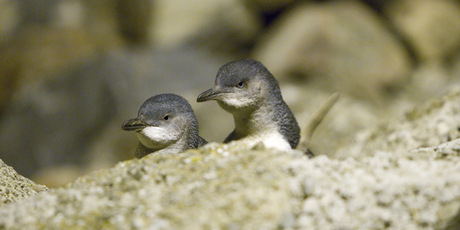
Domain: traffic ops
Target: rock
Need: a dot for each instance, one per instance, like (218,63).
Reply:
(431,27)
(230,186)
(97,17)
(42,47)
(39,52)
(14,187)
(146,183)
(222,25)
(134,20)
(52,37)
(347,116)
(342,44)
(428,80)
(9,18)
(39,39)
(57,175)
(430,125)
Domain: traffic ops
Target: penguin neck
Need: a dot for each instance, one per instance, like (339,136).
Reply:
(255,120)
(183,143)
(177,147)
(174,148)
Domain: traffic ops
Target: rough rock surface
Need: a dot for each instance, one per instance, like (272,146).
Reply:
(14,187)
(436,123)
(394,185)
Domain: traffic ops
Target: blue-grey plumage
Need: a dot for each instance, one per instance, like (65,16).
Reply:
(246,89)
(165,124)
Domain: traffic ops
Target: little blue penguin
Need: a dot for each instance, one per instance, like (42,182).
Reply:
(246,89)
(165,124)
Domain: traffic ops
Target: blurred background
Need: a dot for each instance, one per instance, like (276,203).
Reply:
(72,71)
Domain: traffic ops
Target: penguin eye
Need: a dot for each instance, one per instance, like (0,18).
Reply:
(166,117)
(241,84)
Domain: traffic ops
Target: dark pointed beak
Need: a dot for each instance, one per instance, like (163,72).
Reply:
(208,95)
(134,124)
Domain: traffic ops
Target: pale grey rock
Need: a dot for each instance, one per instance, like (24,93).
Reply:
(342,44)
(14,187)
(430,125)
(451,148)
(401,186)
(428,80)
(225,186)
(149,193)
(383,191)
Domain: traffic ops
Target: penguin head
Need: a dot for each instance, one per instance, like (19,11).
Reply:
(240,85)
(162,120)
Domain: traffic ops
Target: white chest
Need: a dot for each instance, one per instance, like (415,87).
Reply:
(271,140)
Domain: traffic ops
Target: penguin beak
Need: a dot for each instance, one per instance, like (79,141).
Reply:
(208,95)
(135,124)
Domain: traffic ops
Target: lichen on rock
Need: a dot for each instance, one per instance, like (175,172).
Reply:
(14,187)
(214,187)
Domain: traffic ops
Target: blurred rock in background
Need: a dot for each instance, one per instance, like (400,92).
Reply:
(134,20)
(72,71)
(341,43)
(431,28)
(225,27)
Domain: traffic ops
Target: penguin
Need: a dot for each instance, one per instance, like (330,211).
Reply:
(246,89)
(165,124)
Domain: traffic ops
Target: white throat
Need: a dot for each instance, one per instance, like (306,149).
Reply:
(163,139)
(154,137)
